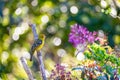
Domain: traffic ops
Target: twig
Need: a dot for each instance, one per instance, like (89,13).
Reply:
(39,55)
(34,31)
(26,68)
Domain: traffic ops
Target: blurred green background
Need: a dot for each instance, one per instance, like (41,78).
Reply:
(53,18)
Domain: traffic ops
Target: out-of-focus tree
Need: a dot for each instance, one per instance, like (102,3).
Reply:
(53,18)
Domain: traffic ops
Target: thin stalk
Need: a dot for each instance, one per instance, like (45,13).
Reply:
(40,60)
(33,27)
(26,68)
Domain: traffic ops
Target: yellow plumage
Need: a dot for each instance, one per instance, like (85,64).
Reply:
(37,45)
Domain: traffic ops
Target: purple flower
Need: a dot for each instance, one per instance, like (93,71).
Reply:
(60,73)
(80,35)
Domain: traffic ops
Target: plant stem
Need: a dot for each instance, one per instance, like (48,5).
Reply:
(33,27)
(26,68)
(39,55)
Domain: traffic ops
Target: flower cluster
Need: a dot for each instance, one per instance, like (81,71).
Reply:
(81,35)
(60,73)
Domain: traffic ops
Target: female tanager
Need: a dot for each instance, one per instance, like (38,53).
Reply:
(37,45)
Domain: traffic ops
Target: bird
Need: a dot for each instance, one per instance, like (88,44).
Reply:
(37,45)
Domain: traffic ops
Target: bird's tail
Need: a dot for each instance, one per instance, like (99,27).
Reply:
(31,55)
(31,58)
(32,52)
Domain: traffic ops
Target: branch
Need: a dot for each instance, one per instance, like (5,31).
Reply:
(39,55)
(26,68)
(34,31)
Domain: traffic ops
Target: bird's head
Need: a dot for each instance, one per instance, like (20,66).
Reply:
(42,36)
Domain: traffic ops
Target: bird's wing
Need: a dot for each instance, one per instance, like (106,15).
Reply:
(36,44)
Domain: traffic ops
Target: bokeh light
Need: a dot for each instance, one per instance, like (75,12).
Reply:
(62,23)
(51,29)
(15,36)
(73,9)
(34,3)
(103,3)
(45,19)
(57,41)
(61,52)
(18,11)
(63,8)
(20,29)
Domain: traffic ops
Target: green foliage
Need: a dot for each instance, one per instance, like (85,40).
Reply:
(108,61)
(96,52)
